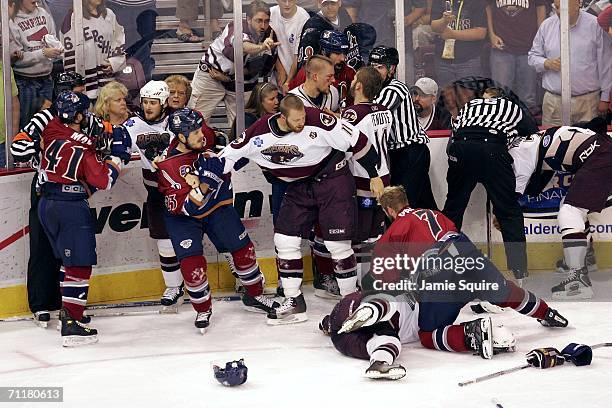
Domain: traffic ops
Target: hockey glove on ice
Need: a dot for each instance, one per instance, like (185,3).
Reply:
(579,354)
(545,357)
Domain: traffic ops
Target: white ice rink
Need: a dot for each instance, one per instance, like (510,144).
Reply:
(162,361)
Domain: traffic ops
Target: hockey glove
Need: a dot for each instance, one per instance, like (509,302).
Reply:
(221,140)
(152,145)
(234,373)
(579,354)
(122,144)
(210,170)
(545,357)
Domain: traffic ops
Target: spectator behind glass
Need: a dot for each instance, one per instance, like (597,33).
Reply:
(330,13)
(180,91)
(111,105)
(462,31)
(187,12)
(424,96)
(12,131)
(381,15)
(512,26)
(590,66)
(102,58)
(263,101)
(32,57)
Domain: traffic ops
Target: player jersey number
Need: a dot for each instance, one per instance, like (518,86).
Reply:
(171,203)
(432,221)
(381,147)
(53,156)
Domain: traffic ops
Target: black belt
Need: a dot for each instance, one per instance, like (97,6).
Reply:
(479,134)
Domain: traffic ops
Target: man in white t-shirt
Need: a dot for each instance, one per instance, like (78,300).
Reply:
(287,20)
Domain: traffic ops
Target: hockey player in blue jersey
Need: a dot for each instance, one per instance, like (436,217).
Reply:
(198,200)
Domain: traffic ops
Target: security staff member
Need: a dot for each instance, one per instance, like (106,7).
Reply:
(478,153)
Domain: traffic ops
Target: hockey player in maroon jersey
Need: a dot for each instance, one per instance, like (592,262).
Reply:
(198,199)
(429,238)
(588,156)
(305,147)
(334,45)
(71,173)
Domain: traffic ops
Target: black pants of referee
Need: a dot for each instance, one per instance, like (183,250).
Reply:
(410,169)
(43,268)
(488,163)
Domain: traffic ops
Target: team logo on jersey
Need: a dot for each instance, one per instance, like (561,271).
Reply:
(350,115)
(282,154)
(546,140)
(184,170)
(67,253)
(258,141)
(336,231)
(291,38)
(129,123)
(186,243)
(313,135)
(240,138)
(326,119)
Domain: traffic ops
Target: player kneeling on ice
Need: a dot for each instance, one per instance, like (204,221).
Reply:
(199,200)
(71,172)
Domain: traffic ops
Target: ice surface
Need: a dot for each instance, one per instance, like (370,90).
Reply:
(161,360)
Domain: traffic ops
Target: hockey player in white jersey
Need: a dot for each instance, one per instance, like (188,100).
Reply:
(317,91)
(588,156)
(305,147)
(150,136)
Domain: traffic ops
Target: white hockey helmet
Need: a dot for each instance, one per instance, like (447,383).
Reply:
(155,90)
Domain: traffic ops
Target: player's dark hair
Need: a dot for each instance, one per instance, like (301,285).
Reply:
(371,82)
(394,197)
(289,103)
(494,92)
(101,9)
(316,63)
(257,6)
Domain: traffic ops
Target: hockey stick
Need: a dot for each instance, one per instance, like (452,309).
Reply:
(514,369)
(489,243)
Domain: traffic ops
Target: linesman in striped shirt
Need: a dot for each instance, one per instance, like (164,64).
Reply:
(408,152)
(479,154)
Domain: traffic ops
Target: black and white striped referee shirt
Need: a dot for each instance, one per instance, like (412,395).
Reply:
(498,115)
(406,129)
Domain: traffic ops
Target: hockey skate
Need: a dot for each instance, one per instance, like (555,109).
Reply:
(553,319)
(41,318)
(576,286)
(202,320)
(503,340)
(171,298)
(591,262)
(292,310)
(479,337)
(326,287)
(75,333)
(84,320)
(258,304)
(357,319)
(382,370)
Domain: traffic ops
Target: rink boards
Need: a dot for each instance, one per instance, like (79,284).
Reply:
(128,266)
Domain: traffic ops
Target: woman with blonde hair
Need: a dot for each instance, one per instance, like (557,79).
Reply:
(111,105)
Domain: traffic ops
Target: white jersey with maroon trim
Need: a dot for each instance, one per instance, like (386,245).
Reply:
(330,100)
(292,156)
(408,329)
(375,121)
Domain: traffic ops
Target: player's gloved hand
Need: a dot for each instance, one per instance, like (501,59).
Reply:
(104,143)
(122,144)
(325,326)
(545,357)
(221,140)
(210,170)
(579,354)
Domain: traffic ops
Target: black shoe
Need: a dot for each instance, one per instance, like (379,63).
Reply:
(520,274)
(75,333)
(202,320)
(41,318)
(576,286)
(172,295)
(259,304)
(553,319)
(479,337)
(292,310)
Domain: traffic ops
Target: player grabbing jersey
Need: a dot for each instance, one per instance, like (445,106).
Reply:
(71,173)
(198,201)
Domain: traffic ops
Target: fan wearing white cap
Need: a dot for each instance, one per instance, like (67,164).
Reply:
(424,96)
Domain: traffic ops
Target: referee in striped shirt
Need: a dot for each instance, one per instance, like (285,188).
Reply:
(408,152)
(479,154)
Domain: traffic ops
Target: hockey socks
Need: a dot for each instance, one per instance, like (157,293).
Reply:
(193,269)
(74,290)
(525,302)
(448,338)
(170,266)
(384,348)
(243,264)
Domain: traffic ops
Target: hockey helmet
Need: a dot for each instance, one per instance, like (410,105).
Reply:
(234,373)
(155,90)
(67,81)
(333,41)
(69,103)
(185,121)
(384,55)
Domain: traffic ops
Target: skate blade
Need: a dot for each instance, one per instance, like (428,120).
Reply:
(392,374)
(291,319)
(253,309)
(202,330)
(323,294)
(172,309)
(76,341)
(358,320)
(42,325)
(584,293)
(487,347)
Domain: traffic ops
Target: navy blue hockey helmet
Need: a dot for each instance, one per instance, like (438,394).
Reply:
(234,373)
(69,103)
(384,55)
(67,81)
(185,121)
(334,41)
